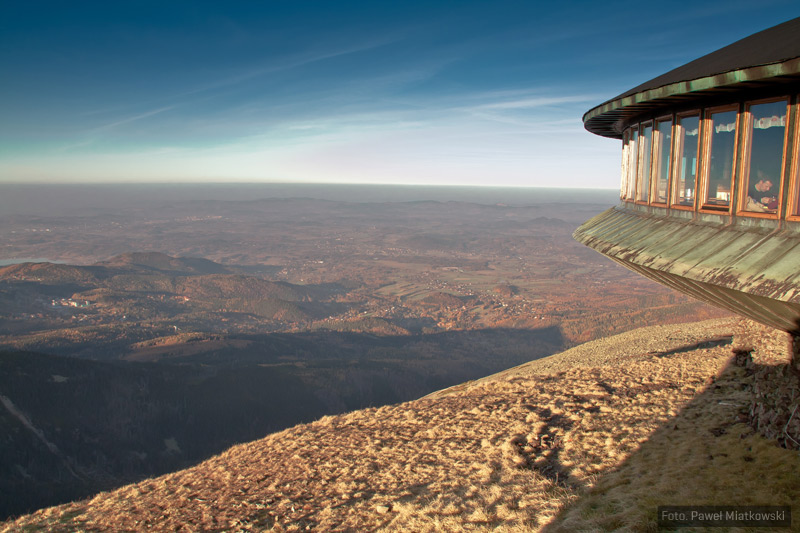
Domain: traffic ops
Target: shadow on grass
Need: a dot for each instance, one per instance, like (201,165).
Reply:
(112,420)
(706,455)
(724,340)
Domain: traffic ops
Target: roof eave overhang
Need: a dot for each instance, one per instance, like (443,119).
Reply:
(609,119)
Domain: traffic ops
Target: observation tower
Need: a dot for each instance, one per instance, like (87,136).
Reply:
(710,192)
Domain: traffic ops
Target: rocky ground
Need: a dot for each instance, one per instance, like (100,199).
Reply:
(594,438)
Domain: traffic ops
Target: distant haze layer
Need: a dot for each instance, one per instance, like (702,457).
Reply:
(64,199)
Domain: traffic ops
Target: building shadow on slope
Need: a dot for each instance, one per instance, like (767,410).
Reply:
(723,340)
(708,454)
(117,422)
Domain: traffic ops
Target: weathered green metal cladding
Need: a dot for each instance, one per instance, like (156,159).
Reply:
(609,119)
(749,269)
(782,315)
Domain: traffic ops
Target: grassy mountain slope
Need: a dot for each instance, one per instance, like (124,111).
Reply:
(591,439)
(111,420)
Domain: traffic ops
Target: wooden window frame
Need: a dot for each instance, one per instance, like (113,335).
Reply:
(746,145)
(673,196)
(794,179)
(640,164)
(705,162)
(633,165)
(671,119)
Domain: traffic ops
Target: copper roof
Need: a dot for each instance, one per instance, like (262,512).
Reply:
(768,57)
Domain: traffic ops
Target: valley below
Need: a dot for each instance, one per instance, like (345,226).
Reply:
(156,336)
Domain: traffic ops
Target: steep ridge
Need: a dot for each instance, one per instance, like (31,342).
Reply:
(594,438)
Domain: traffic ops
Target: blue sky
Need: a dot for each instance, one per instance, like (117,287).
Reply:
(435,92)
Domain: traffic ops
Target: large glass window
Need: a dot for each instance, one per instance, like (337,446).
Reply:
(633,153)
(645,146)
(623,188)
(721,145)
(762,176)
(687,134)
(662,143)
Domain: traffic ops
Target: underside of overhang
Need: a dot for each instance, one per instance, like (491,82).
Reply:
(751,271)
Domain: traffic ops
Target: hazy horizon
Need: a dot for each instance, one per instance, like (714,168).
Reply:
(69,199)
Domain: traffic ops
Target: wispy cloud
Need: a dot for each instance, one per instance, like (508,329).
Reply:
(306,127)
(80,144)
(297,61)
(134,118)
(219,87)
(540,101)
(94,134)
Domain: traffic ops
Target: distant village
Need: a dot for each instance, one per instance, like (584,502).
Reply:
(69,302)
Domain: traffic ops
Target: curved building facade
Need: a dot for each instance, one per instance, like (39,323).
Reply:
(710,180)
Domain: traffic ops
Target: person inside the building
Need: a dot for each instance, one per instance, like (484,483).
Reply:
(761,196)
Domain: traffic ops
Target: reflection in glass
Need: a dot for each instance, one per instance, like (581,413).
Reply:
(763,177)
(632,161)
(661,161)
(721,142)
(645,142)
(687,133)
(623,188)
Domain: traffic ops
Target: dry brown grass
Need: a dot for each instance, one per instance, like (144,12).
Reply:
(593,439)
